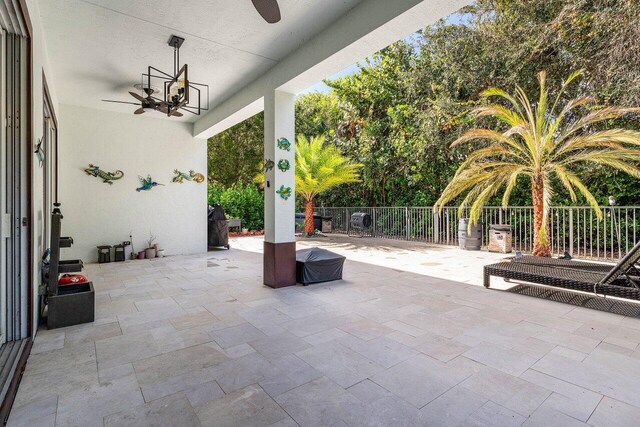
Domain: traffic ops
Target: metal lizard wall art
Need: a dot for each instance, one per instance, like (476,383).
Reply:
(191,176)
(106,177)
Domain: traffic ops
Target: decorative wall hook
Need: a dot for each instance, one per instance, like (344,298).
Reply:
(268,165)
(106,177)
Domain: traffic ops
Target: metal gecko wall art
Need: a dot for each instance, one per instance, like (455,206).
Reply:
(191,176)
(106,177)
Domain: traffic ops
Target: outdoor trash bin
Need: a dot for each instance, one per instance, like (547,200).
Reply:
(500,238)
(470,238)
(317,265)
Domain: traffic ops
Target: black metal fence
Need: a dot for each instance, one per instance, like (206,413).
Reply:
(576,230)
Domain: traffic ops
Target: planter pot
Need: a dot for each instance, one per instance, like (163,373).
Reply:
(245,231)
(150,253)
(160,253)
(141,255)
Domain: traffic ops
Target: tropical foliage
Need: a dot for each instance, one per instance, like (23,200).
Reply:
(245,202)
(539,141)
(399,114)
(320,167)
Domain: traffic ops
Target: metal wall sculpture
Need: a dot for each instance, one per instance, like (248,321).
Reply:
(191,176)
(284,165)
(284,144)
(106,177)
(147,183)
(39,151)
(284,192)
(268,165)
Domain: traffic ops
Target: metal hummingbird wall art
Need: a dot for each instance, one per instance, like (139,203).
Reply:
(147,183)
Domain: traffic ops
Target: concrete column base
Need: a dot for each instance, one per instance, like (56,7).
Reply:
(279,264)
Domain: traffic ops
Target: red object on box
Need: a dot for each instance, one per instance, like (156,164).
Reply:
(71,279)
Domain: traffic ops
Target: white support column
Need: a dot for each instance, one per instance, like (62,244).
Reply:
(279,190)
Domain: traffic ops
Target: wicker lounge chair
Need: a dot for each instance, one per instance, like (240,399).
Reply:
(594,267)
(620,280)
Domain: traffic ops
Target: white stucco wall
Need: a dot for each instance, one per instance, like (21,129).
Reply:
(40,65)
(96,213)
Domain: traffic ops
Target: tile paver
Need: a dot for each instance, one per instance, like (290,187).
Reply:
(408,337)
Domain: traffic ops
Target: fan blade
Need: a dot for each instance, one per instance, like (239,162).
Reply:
(139,111)
(121,102)
(162,108)
(136,96)
(268,9)
(177,114)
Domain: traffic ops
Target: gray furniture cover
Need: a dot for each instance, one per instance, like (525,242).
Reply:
(317,265)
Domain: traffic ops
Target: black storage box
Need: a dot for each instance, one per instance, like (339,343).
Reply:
(66,242)
(74,304)
(119,253)
(317,265)
(70,266)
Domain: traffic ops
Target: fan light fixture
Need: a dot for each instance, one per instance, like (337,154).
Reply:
(178,91)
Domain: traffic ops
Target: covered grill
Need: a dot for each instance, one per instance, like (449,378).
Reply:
(317,265)
(217,227)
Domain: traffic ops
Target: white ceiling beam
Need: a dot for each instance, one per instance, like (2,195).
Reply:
(365,29)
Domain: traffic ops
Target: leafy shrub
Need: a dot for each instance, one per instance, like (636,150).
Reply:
(240,201)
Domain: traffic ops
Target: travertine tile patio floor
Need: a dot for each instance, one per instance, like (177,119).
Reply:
(197,340)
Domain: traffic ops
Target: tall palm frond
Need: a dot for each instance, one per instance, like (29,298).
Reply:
(539,141)
(320,167)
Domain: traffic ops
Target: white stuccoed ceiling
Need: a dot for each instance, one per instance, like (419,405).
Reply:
(99,48)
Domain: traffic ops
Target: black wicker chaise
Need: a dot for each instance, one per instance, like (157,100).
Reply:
(620,280)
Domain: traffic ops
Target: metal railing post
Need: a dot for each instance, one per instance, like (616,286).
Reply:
(436,226)
(407,222)
(571,231)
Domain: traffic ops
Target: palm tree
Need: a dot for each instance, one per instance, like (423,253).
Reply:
(541,141)
(320,167)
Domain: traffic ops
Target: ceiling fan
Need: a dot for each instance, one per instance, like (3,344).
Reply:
(268,9)
(148,103)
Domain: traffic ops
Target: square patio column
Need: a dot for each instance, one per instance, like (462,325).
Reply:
(279,190)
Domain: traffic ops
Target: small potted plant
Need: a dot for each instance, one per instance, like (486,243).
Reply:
(150,252)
